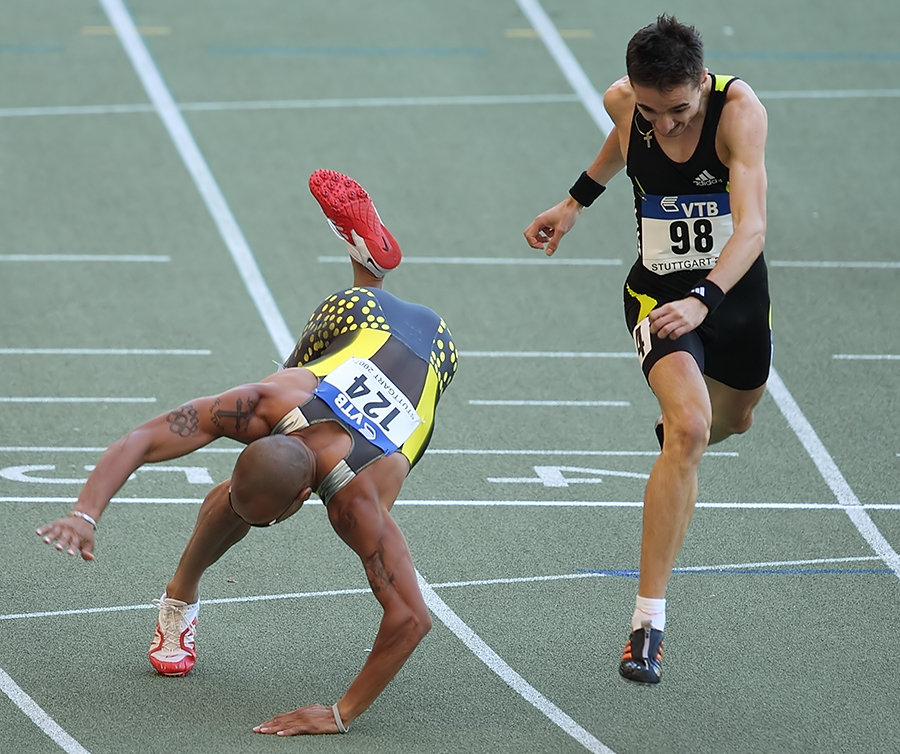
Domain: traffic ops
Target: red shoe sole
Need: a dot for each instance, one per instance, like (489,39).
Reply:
(348,206)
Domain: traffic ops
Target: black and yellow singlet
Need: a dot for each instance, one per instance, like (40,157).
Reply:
(684,220)
(682,208)
(409,344)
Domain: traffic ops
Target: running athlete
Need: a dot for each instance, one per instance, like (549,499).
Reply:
(696,298)
(348,416)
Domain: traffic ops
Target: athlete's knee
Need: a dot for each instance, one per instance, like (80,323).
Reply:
(687,436)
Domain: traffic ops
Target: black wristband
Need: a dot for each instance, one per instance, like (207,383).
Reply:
(709,293)
(586,189)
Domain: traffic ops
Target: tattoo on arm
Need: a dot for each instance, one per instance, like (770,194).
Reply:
(183,421)
(378,575)
(241,415)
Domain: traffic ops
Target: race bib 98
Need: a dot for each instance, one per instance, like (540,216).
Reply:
(684,232)
(363,396)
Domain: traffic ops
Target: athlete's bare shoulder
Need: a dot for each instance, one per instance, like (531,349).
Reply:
(740,96)
(292,377)
(619,102)
(284,390)
(743,125)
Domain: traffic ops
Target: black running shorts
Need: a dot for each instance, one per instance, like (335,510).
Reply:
(732,346)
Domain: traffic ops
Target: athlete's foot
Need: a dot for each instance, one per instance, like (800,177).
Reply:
(642,658)
(353,217)
(172,651)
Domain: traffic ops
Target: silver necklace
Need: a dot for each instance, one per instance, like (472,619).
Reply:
(648,137)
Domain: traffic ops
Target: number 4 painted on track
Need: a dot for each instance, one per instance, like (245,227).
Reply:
(552,476)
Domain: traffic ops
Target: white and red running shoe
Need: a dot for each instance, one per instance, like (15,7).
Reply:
(353,217)
(172,651)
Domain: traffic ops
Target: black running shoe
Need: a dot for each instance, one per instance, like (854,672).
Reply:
(642,658)
(658,428)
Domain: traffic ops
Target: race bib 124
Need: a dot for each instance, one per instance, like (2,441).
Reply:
(366,399)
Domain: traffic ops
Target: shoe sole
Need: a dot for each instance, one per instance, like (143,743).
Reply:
(171,669)
(346,203)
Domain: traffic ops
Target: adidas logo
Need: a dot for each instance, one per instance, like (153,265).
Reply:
(706,179)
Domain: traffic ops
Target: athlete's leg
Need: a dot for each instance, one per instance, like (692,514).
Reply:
(363,278)
(732,410)
(671,491)
(217,529)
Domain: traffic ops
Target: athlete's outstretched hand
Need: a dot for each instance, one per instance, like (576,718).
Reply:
(72,534)
(677,318)
(310,721)
(548,228)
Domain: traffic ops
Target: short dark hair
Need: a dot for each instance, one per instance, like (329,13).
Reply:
(665,55)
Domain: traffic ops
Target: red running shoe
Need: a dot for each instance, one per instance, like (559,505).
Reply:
(172,651)
(353,217)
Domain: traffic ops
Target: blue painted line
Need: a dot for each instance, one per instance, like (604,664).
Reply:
(788,55)
(349,51)
(27,49)
(633,574)
(625,574)
(795,571)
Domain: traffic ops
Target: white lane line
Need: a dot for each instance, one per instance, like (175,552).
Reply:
(38,716)
(835,265)
(552,476)
(104,352)
(515,681)
(777,389)
(730,505)
(220,601)
(83,258)
(10,399)
(541,261)
(567,63)
(125,500)
(777,564)
(831,473)
(464,100)
(548,354)
(305,104)
(830,94)
(431,451)
(442,585)
(630,504)
(28,112)
(547,403)
(867,356)
(505,452)
(203,178)
(297,104)
(71,449)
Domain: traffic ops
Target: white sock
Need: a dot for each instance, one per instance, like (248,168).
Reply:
(647,608)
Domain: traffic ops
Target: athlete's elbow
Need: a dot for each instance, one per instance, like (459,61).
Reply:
(753,235)
(760,240)
(406,633)
(418,624)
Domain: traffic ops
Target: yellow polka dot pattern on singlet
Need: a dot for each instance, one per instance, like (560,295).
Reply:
(353,309)
(443,356)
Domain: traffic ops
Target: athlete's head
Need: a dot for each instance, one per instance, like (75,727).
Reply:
(272,479)
(666,73)
(665,55)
